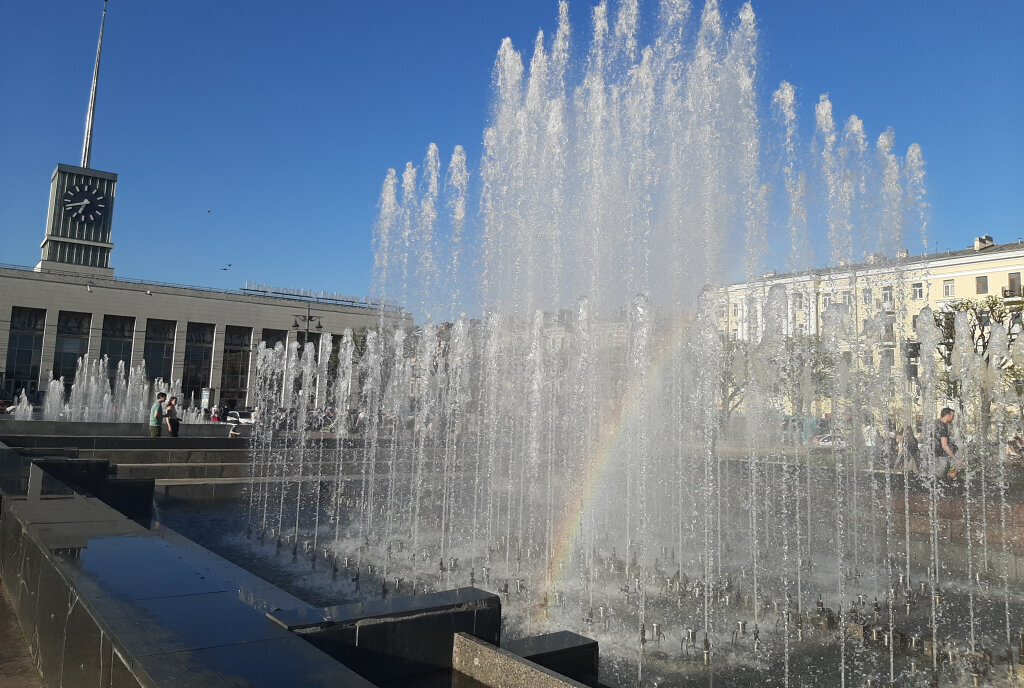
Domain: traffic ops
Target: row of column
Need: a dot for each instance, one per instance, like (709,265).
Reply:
(49,344)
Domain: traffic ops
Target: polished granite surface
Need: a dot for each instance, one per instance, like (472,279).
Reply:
(105,601)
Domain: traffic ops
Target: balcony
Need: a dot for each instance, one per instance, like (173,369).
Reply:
(1012,292)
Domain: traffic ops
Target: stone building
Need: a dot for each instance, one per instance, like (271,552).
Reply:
(207,338)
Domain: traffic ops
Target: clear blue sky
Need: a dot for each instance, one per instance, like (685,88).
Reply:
(283,118)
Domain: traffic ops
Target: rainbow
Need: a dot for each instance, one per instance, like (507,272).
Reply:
(598,460)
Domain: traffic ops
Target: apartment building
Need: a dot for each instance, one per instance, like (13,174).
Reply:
(873,308)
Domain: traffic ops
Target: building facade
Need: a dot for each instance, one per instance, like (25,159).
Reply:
(898,287)
(206,338)
(876,304)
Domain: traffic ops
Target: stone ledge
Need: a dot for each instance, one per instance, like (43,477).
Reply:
(500,668)
(104,601)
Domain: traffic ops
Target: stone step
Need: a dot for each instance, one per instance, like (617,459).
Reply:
(183,470)
(157,456)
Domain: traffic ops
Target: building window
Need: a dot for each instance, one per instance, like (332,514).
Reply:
(981,285)
(116,343)
(913,322)
(917,290)
(798,301)
(198,361)
(865,297)
(158,352)
(735,310)
(234,377)
(24,351)
(72,344)
(1013,284)
(314,339)
(948,290)
(887,296)
(826,301)
(272,337)
(847,298)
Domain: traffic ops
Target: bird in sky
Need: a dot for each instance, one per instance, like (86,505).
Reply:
(227,267)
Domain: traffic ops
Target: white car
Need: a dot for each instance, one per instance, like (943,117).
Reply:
(831,440)
(239,417)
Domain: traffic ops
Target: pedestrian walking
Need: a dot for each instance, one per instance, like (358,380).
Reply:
(156,415)
(171,416)
(945,448)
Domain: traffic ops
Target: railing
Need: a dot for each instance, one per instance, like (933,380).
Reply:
(1011,292)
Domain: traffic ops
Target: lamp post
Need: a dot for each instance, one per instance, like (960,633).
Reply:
(306,320)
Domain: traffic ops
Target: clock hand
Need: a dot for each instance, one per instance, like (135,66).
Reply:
(68,206)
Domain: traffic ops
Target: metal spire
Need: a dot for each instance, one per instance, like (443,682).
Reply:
(87,143)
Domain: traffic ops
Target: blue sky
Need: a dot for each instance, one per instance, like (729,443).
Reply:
(259,133)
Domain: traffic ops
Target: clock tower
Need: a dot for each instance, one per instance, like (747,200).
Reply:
(81,205)
(78,221)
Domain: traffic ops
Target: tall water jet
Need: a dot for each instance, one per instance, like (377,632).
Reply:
(607,417)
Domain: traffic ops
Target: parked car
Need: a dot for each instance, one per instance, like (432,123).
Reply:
(239,417)
(830,440)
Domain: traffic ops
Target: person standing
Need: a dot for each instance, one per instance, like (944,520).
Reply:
(156,415)
(171,416)
(945,448)
(908,453)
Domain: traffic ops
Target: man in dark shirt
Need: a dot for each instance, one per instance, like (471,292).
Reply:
(946,460)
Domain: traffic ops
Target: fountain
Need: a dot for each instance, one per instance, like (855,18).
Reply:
(598,446)
(97,396)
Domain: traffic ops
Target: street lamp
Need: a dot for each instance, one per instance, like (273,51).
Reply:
(306,319)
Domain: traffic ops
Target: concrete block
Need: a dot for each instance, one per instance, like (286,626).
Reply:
(563,652)
(500,668)
(397,637)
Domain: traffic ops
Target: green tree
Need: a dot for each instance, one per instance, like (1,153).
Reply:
(981,315)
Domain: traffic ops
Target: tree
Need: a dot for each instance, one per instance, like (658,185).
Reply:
(732,380)
(981,314)
(798,355)
(807,354)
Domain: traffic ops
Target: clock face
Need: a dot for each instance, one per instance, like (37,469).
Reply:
(84,203)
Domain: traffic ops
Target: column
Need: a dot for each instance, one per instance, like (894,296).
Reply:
(49,347)
(288,386)
(139,339)
(321,381)
(178,364)
(217,360)
(250,379)
(95,335)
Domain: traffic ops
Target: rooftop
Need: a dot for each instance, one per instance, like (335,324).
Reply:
(305,296)
(880,262)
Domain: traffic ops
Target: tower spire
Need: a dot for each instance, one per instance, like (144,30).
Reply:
(87,143)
